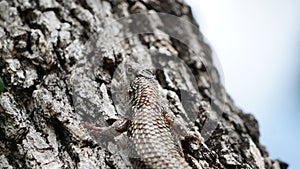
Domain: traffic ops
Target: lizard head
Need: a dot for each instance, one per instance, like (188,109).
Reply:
(147,73)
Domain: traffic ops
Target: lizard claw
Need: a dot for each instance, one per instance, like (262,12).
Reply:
(192,135)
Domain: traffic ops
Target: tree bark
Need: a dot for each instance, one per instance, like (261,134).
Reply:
(65,68)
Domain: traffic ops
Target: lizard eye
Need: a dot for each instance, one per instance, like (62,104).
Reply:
(129,70)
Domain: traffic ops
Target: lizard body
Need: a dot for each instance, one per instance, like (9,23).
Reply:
(150,129)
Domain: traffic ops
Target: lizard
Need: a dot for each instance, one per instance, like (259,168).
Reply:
(150,128)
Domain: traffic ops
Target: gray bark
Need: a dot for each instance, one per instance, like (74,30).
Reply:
(64,66)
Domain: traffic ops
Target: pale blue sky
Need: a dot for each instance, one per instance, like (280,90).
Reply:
(258,45)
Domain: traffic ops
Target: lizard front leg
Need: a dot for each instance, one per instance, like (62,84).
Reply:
(179,126)
(119,126)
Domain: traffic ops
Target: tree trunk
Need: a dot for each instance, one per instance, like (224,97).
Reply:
(67,66)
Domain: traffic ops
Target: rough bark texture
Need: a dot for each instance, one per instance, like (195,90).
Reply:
(49,96)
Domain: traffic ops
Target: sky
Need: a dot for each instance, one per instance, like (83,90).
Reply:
(257,43)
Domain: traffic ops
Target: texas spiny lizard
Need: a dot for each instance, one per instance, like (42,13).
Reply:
(150,128)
